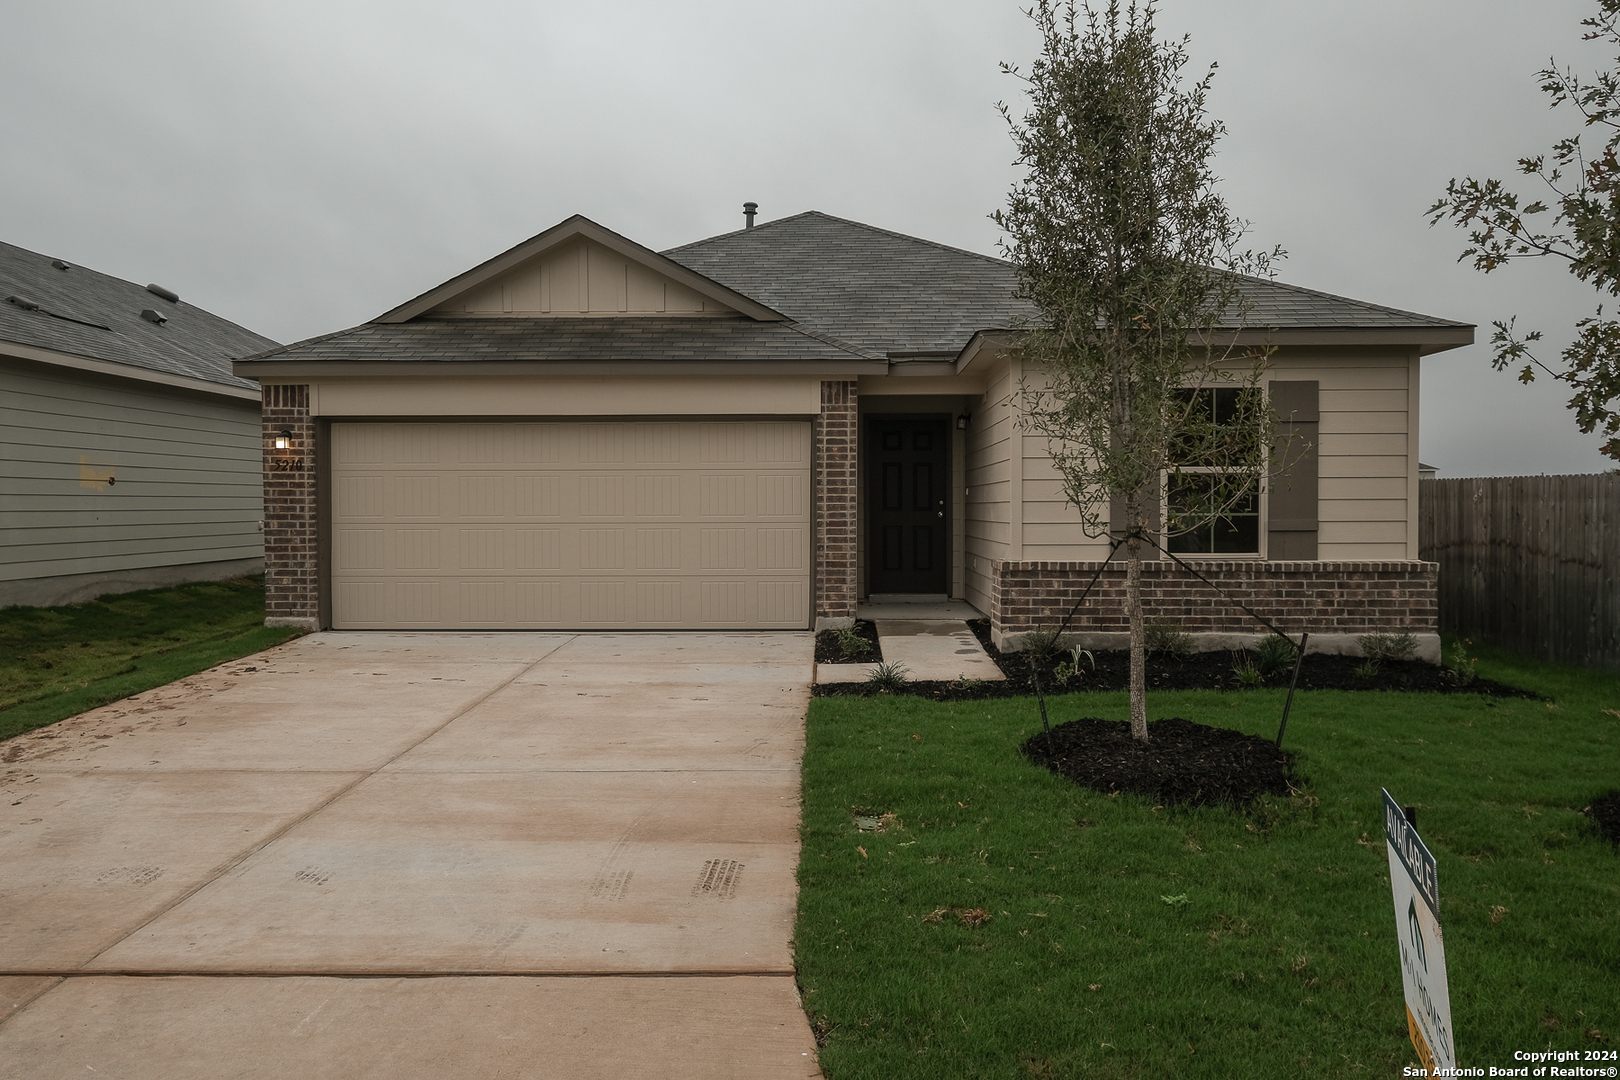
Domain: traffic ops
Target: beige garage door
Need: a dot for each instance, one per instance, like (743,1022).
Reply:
(634,525)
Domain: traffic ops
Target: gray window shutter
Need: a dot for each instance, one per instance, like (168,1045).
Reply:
(1291,533)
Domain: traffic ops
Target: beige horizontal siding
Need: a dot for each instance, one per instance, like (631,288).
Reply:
(1348,444)
(989,532)
(1361,487)
(1364,442)
(1364,510)
(1363,458)
(186,472)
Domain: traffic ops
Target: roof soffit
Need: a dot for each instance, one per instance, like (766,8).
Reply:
(560,236)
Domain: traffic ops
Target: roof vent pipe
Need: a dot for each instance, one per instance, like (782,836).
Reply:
(749,210)
(168,294)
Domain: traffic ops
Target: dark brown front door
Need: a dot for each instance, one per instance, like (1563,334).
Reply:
(908,475)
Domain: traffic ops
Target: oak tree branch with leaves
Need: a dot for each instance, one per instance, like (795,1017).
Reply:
(1577,220)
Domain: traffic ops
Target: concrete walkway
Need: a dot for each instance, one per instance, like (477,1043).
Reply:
(414,855)
(927,649)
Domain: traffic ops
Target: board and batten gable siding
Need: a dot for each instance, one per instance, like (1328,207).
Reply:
(580,278)
(107,476)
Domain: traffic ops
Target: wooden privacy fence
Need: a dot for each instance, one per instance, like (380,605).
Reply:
(1530,563)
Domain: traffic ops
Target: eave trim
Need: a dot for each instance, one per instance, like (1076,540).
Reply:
(330,369)
(51,358)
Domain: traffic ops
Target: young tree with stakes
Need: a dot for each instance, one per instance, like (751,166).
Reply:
(1584,231)
(1122,243)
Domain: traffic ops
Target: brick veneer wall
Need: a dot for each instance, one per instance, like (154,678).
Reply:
(1321,598)
(291,592)
(835,467)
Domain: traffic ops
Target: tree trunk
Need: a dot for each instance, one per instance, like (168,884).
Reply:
(1133,608)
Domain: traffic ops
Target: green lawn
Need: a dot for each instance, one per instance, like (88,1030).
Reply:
(1126,939)
(61,661)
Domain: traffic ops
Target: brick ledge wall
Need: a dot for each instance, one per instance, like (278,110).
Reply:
(1333,601)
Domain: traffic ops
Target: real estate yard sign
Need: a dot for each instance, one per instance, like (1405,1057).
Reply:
(1413,880)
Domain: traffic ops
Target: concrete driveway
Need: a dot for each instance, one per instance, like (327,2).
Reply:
(416,855)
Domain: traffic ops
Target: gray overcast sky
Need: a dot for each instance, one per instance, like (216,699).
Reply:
(303,166)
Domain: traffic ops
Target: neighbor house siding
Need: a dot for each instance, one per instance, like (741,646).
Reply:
(104,477)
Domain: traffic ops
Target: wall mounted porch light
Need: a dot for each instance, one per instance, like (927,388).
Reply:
(963,421)
(283,439)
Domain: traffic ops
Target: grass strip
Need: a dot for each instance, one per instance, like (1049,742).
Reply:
(61,661)
(1000,922)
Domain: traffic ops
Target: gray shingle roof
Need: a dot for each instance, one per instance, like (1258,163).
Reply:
(853,292)
(1290,307)
(882,291)
(88,314)
(510,339)
(888,293)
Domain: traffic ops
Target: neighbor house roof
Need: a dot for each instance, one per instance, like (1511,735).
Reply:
(55,312)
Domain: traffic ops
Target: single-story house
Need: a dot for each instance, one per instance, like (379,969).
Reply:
(131,452)
(760,429)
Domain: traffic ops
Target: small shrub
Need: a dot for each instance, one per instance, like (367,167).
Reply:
(1459,665)
(1381,647)
(1164,636)
(1041,645)
(1275,653)
(1244,668)
(1068,671)
(1367,671)
(851,644)
(888,677)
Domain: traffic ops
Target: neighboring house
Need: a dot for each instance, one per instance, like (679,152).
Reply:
(131,453)
(760,429)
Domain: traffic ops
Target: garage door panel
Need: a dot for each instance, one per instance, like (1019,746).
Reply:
(538,549)
(559,525)
(658,549)
(602,444)
(784,602)
(537,495)
(782,495)
(538,603)
(659,495)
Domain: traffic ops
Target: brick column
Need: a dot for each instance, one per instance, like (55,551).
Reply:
(835,465)
(291,590)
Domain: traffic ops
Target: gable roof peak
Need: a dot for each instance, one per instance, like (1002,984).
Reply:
(570,229)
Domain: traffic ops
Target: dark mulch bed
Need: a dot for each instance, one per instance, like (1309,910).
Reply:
(1183,763)
(1605,812)
(1195,671)
(830,650)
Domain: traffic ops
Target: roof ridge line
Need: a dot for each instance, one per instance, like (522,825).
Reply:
(845,221)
